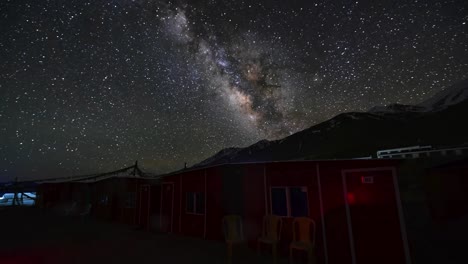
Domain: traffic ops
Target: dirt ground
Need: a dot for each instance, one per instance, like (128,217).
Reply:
(33,236)
(29,235)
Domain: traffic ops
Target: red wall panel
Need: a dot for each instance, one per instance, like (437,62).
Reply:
(214,209)
(192,224)
(255,177)
(254,198)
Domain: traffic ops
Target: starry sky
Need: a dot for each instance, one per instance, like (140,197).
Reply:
(92,86)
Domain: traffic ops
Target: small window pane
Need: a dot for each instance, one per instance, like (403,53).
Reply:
(200,203)
(278,201)
(190,202)
(298,200)
(104,200)
(130,200)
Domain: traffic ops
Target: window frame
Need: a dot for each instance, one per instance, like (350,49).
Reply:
(288,199)
(195,195)
(130,197)
(104,200)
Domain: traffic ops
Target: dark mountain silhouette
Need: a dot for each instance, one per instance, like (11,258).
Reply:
(437,121)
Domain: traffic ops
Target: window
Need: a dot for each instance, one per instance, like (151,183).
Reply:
(367,179)
(195,203)
(279,201)
(130,200)
(104,200)
(289,201)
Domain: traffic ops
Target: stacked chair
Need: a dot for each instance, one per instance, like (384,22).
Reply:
(303,229)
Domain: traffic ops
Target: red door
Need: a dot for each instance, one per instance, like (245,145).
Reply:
(115,207)
(167,207)
(144,214)
(373,217)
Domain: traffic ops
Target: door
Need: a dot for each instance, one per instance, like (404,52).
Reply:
(144,214)
(373,214)
(167,207)
(232,194)
(115,207)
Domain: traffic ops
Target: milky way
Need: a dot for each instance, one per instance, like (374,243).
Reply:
(93,86)
(243,74)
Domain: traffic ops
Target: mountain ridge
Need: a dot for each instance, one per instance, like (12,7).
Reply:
(358,134)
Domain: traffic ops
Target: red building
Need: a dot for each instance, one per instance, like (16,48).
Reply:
(446,189)
(116,196)
(355,204)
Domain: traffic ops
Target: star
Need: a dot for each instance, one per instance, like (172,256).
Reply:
(92,86)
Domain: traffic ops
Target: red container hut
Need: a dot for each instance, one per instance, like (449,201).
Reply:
(355,204)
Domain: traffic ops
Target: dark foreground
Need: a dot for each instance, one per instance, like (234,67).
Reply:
(29,235)
(32,236)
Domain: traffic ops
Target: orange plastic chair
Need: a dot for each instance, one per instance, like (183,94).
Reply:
(233,232)
(303,239)
(271,234)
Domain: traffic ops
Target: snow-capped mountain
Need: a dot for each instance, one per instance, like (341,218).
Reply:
(451,95)
(398,108)
(437,121)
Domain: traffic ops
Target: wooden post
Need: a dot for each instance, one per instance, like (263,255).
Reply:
(229,247)
(135,168)
(15,201)
(274,253)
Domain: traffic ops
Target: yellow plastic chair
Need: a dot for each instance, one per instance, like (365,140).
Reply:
(303,238)
(233,232)
(271,234)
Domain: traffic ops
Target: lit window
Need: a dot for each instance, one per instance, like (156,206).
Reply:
(195,203)
(289,201)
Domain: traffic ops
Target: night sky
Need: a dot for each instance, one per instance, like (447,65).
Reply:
(93,86)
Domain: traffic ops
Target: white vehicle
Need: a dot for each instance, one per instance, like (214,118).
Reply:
(7,198)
